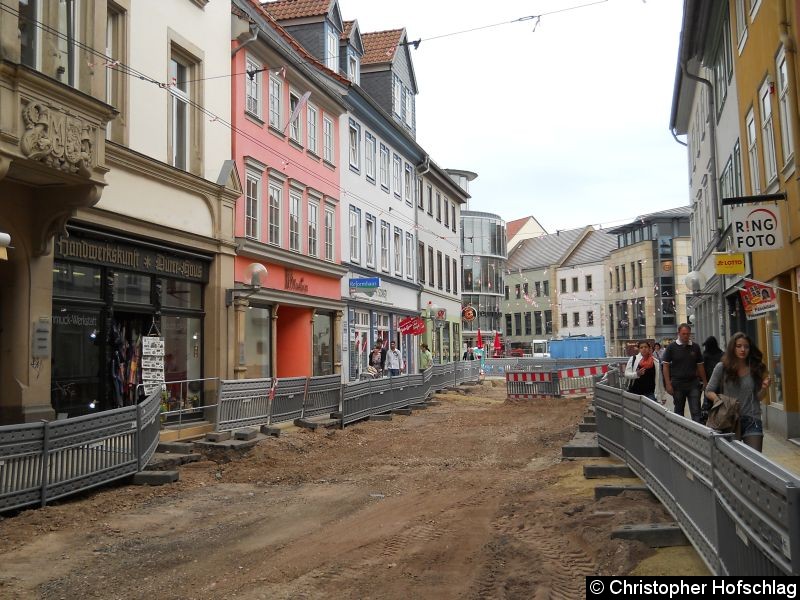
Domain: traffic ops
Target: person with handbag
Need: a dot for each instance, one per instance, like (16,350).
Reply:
(644,373)
(742,376)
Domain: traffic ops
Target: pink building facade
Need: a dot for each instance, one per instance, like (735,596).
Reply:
(287,294)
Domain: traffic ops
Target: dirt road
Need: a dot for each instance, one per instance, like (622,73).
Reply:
(467,499)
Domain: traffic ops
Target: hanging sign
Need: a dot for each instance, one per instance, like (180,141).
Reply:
(152,363)
(729,264)
(756,228)
(411,326)
(468,313)
(758,299)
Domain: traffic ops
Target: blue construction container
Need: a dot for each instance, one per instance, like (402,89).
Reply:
(578,347)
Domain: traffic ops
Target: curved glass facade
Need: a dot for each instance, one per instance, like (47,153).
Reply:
(483,263)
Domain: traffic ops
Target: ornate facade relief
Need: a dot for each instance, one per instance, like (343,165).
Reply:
(57,139)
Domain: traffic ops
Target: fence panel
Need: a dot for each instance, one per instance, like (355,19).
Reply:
(579,380)
(757,512)
(20,464)
(632,417)
(529,384)
(288,402)
(657,459)
(322,395)
(149,427)
(243,403)
(380,396)
(608,415)
(87,451)
(427,383)
(416,389)
(356,401)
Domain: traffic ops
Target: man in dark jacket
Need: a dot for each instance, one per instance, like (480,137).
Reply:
(684,374)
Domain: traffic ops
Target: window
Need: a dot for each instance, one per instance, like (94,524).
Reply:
(296,126)
(446,215)
(446,273)
(508,326)
(116,49)
(517,291)
(327,135)
(784,110)
(563,286)
(548,321)
(180,112)
(355,146)
(590,318)
(295,200)
(384,167)
(518,323)
(409,256)
(528,328)
(332,49)
(767,133)
(453,217)
(624,278)
(537,321)
(438,207)
(397,95)
(430,200)
(275,194)
(408,107)
(564,319)
(311,125)
(355,234)
(409,183)
(329,221)
(431,267)
(275,102)
(537,289)
(385,246)
(252,206)
(455,276)
(420,195)
(398,252)
(353,72)
(421,262)
(252,81)
(49,35)
(546,288)
(396,176)
(752,153)
(576,319)
(616,271)
(588,283)
(574,284)
(525,290)
(369,233)
(640,275)
(313,223)
(506,293)
(741,22)
(369,155)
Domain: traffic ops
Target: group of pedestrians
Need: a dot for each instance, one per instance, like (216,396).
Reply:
(681,370)
(385,362)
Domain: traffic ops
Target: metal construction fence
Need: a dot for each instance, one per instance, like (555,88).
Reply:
(740,510)
(41,462)
(497,367)
(249,402)
(571,381)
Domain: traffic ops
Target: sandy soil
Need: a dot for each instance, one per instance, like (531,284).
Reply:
(467,499)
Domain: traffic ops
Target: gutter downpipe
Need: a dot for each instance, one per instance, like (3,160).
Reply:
(421,170)
(254,34)
(715,210)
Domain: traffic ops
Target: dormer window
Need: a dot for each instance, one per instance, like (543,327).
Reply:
(332,50)
(353,70)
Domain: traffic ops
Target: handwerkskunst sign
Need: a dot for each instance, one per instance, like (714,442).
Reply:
(756,228)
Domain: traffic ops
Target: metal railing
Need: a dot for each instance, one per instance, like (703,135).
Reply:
(740,510)
(497,367)
(566,381)
(41,462)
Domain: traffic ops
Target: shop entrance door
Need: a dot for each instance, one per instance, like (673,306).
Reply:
(125,357)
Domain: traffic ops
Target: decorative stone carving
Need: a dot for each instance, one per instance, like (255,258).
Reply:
(57,139)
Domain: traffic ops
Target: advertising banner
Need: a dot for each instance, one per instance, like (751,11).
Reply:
(758,299)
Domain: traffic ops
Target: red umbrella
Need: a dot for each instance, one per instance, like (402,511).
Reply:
(479,341)
(497,344)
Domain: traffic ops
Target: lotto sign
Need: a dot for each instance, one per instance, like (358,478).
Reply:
(729,264)
(756,228)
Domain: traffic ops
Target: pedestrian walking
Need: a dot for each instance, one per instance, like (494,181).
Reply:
(743,375)
(712,354)
(394,360)
(684,374)
(425,357)
(645,372)
(377,358)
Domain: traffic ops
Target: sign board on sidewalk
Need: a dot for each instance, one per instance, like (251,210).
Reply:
(756,228)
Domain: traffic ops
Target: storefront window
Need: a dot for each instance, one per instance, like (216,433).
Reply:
(257,345)
(131,288)
(774,353)
(323,344)
(181,294)
(76,281)
(446,342)
(75,361)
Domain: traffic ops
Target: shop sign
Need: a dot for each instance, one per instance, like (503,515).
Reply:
(729,263)
(440,314)
(468,313)
(295,285)
(758,299)
(365,283)
(131,257)
(411,326)
(756,228)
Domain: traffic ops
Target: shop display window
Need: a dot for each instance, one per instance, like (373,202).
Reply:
(257,345)
(323,344)
(131,288)
(72,280)
(75,361)
(181,294)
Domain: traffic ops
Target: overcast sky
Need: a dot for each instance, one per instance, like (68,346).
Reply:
(568,123)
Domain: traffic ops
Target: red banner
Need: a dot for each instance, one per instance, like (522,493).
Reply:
(411,326)
(758,299)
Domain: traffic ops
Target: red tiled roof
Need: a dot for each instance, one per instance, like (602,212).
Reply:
(513,227)
(295,9)
(348,28)
(380,46)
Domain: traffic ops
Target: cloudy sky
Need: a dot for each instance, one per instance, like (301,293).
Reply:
(568,123)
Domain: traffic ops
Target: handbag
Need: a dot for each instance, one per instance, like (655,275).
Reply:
(624,382)
(723,416)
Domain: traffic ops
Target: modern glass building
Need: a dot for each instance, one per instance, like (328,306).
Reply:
(483,260)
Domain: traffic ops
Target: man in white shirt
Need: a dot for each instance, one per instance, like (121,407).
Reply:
(393,360)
